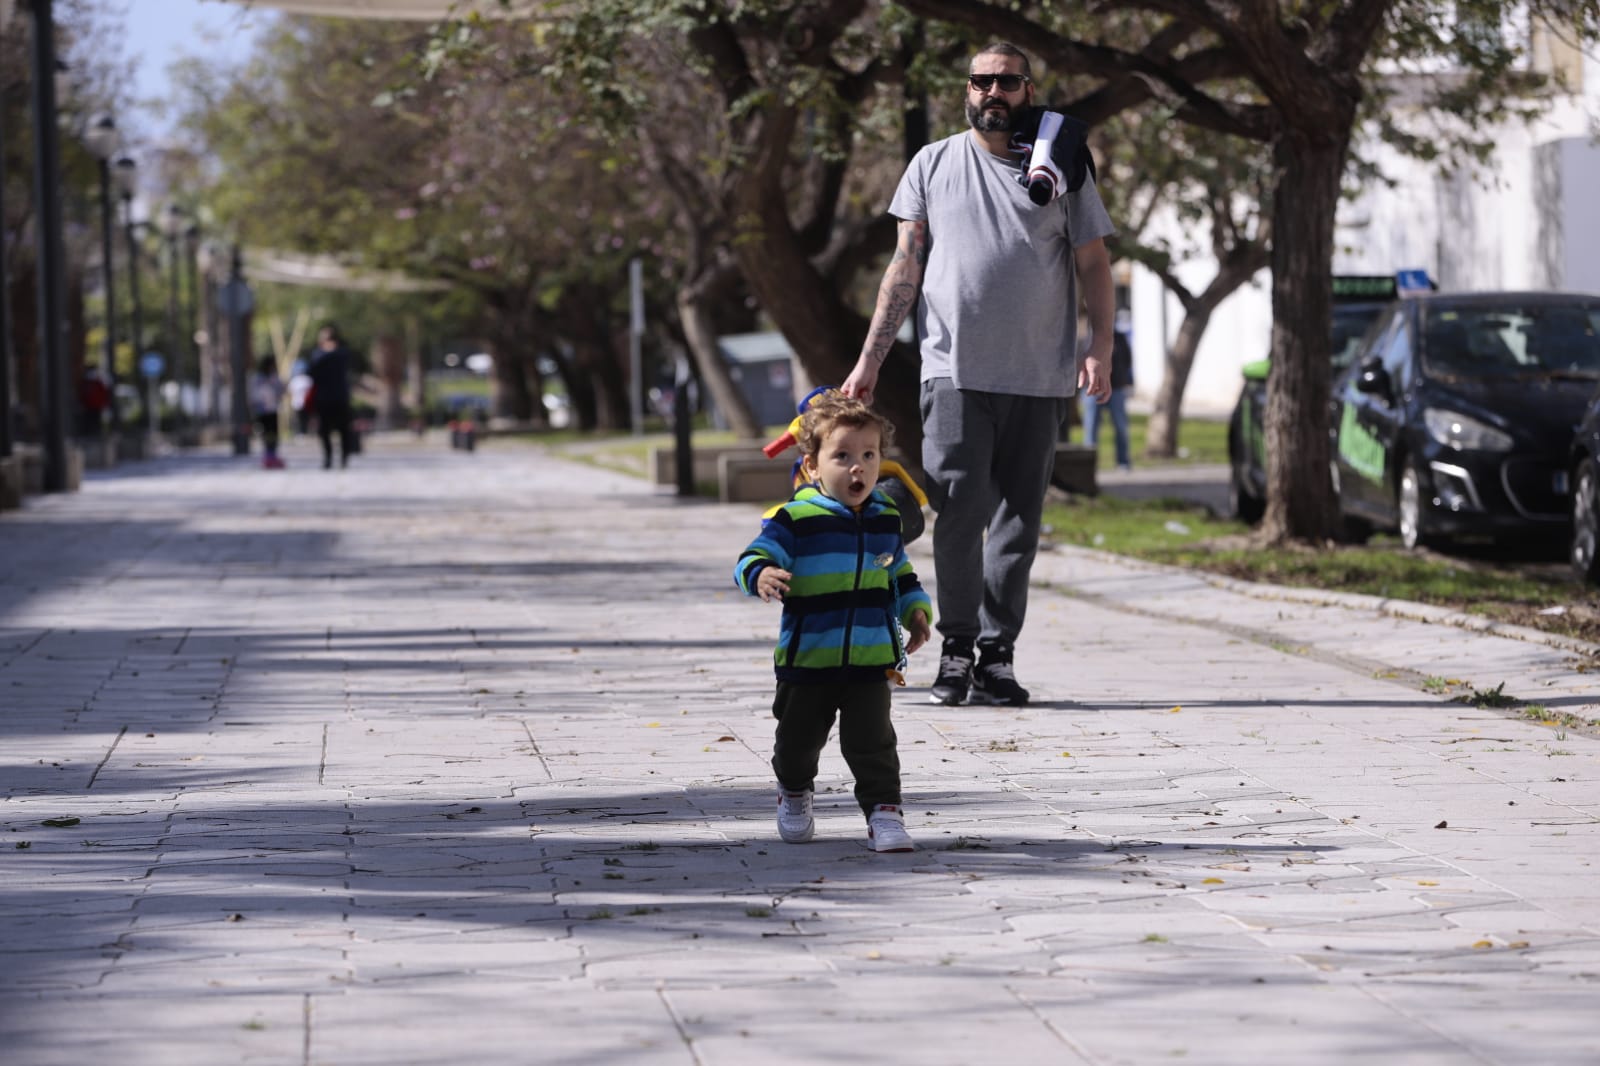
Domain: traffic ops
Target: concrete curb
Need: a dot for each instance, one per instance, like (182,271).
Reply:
(1418,612)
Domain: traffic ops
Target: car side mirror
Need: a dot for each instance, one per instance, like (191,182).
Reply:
(1373,379)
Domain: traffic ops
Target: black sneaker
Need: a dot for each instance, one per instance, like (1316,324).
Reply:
(955,674)
(994,680)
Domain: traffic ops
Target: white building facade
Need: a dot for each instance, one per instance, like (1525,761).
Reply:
(1528,219)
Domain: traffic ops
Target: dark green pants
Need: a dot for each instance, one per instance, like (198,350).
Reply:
(805,715)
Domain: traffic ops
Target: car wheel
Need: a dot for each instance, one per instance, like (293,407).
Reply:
(1408,506)
(1242,503)
(1585,553)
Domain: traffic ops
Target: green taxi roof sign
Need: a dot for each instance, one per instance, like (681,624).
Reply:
(1365,287)
(1354,288)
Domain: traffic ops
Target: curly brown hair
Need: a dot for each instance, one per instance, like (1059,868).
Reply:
(829,410)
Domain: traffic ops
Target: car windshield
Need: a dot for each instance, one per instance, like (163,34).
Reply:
(1350,324)
(1513,340)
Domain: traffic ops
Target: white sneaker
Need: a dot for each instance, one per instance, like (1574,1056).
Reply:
(886,829)
(795,824)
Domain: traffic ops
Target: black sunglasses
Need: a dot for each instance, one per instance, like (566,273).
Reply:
(1009,83)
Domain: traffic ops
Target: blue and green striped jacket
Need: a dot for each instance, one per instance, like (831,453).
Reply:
(851,582)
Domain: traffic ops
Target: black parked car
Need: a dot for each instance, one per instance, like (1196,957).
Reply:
(1357,301)
(1585,467)
(1458,415)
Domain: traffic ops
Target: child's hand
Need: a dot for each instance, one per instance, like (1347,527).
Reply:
(920,632)
(772,583)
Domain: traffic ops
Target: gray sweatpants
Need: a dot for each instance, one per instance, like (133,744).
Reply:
(988,457)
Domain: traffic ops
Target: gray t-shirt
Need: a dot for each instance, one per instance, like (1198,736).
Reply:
(999,306)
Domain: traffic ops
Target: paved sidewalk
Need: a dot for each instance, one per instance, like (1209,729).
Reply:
(462,758)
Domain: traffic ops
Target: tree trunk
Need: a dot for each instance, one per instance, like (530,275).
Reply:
(508,388)
(389,366)
(1161,439)
(586,322)
(700,332)
(825,334)
(581,401)
(416,373)
(612,373)
(1300,502)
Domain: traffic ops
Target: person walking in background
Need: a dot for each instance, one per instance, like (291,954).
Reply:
(94,400)
(330,387)
(300,397)
(835,557)
(995,279)
(266,396)
(1117,405)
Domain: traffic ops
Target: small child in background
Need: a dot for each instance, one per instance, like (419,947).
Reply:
(266,396)
(835,557)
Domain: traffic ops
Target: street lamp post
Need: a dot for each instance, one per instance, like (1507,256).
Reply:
(7,440)
(191,323)
(53,390)
(127,180)
(238,302)
(172,227)
(211,259)
(101,139)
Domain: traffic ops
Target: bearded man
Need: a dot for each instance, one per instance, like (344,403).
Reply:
(995,280)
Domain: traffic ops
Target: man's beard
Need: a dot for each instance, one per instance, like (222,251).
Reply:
(985,120)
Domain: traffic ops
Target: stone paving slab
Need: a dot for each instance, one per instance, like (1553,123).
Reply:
(456,757)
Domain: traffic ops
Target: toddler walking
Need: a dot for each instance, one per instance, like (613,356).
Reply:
(835,557)
(266,396)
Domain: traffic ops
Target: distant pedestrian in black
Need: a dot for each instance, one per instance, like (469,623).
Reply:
(330,383)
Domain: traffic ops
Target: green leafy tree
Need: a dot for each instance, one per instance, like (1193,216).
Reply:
(765,125)
(97,76)
(330,143)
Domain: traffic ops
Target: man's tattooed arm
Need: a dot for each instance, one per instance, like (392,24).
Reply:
(898,293)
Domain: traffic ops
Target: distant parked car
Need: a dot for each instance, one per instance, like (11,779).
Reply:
(1457,416)
(1357,301)
(1585,469)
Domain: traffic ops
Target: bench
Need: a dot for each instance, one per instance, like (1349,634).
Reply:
(741,479)
(1075,469)
(99,453)
(663,462)
(31,458)
(10,482)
